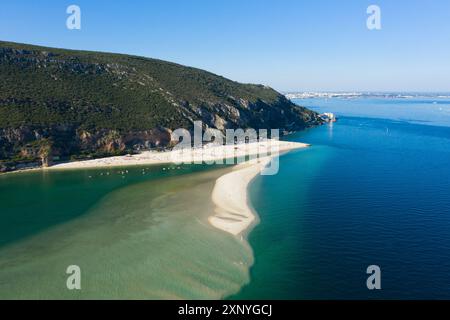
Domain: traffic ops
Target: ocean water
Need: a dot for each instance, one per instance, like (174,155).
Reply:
(374,189)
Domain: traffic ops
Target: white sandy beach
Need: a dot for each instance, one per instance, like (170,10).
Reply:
(209,154)
(233,211)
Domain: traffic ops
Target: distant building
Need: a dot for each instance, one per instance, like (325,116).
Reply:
(328,117)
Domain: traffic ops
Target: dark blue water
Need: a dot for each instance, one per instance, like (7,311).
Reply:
(372,190)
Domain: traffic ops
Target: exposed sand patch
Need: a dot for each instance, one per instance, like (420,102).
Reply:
(233,212)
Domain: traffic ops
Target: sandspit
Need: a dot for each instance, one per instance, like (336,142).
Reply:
(233,212)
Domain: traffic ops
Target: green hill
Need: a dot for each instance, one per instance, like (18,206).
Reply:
(76,104)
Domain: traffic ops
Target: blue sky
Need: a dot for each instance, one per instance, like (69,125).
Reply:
(287,44)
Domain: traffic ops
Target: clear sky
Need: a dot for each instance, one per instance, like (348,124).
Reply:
(291,45)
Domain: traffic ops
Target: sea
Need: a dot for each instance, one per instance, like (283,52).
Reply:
(372,190)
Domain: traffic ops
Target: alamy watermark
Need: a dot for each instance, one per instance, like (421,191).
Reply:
(73,22)
(374,280)
(374,20)
(74,279)
(211,146)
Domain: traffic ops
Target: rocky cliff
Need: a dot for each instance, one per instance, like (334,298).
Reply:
(60,104)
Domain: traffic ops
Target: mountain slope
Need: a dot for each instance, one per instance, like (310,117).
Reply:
(64,103)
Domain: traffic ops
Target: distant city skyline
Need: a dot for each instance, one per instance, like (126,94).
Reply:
(292,46)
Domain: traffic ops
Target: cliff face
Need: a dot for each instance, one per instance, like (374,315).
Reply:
(32,146)
(60,104)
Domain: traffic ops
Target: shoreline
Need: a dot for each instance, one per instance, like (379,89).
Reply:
(210,154)
(233,212)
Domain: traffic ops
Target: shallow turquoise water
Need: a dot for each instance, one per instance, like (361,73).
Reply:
(139,235)
(371,191)
(31,202)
